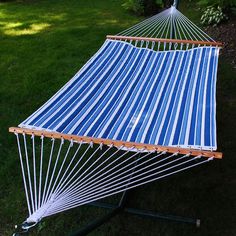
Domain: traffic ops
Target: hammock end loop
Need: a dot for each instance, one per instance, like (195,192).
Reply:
(24,228)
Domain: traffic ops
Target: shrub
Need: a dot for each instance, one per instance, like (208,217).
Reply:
(145,7)
(135,6)
(213,16)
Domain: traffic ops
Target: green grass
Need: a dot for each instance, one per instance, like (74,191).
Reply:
(42,45)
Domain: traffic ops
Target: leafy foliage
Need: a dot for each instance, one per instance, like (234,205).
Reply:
(135,6)
(159,3)
(144,7)
(213,16)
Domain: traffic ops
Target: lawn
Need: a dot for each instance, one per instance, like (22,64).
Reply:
(42,45)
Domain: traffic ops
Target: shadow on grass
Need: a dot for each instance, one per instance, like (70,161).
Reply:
(32,17)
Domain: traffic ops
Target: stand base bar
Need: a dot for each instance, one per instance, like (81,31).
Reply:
(149,214)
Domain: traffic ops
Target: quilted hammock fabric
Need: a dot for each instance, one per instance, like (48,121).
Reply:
(137,94)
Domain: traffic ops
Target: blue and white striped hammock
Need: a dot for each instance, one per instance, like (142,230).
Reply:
(140,95)
(140,109)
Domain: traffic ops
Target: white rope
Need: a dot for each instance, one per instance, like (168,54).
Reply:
(59,172)
(93,183)
(199,31)
(187,29)
(97,167)
(34,168)
(158,29)
(165,24)
(107,188)
(23,173)
(28,173)
(48,169)
(56,209)
(92,166)
(153,28)
(70,173)
(102,183)
(54,169)
(67,169)
(84,177)
(40,172)
(143,24)
(98,173)
(76,173)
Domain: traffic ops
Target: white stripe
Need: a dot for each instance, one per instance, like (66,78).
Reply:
(187,133)
(180,100)
(198,103)
(213,107)
(169,96)
(121,94)
(158,98)
(133,102)
(164,78)
(166,137)
(186,107)
(204,99)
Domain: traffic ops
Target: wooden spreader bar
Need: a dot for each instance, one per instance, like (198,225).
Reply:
(207,43)
(116,143)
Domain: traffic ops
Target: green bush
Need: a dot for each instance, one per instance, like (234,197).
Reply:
(135,6)
(213,16)
(145,7)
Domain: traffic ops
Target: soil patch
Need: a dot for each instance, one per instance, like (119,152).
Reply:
(225,33)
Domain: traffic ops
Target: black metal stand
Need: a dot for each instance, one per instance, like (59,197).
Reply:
(116,209)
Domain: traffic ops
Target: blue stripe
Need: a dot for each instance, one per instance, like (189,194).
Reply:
(119,111)
(170,107)
(162,74)
(195,103)
(127,126)
(164,100)
(198,124)
(180,115)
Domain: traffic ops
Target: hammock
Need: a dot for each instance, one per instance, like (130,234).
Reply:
(141,109)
